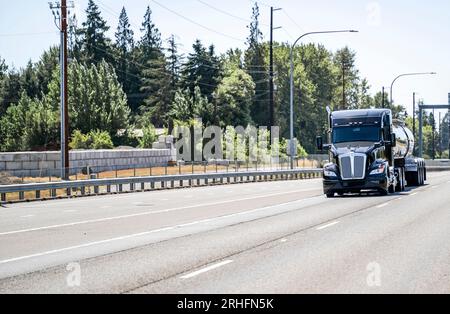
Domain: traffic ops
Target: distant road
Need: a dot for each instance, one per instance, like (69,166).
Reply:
(276,237)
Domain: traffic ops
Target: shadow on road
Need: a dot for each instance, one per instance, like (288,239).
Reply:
(377,194)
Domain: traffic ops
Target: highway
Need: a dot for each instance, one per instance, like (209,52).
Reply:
(273,237)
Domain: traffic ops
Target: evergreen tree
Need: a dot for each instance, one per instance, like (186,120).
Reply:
(348,78)
(96,45)
(47,64)
(256,67)
(152,37)
(126,69)
(173,60)
(202,69)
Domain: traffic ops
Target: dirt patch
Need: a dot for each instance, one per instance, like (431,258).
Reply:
(6,179)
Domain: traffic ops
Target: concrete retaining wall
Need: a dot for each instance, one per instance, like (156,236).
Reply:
(41,164)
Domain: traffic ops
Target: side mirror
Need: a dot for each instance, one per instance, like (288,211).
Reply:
(393,140)
(319,142)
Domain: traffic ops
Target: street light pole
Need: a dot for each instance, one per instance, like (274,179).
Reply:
(292,148)
(407,74)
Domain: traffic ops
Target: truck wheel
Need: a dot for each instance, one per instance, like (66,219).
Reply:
(330,195)
(391,189)
(384,193)
(413,178)
(421,177)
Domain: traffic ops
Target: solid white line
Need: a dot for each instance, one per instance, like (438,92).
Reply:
(143,214)
(138,234)
(328,225)
(383,205)
(206,269)
(27,216)
(413,194)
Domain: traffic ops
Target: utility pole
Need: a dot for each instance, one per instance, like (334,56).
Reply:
(62,18)
(434,135)
(344,105)
(271,72)
(383,104)
(414,115)
(448,120)
(440,135)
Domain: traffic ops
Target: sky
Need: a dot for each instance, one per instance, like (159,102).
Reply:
(395,37)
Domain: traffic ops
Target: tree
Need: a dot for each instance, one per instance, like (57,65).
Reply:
(174,63)
(96,44)
(233,99)
(202,69)
(156,84)
(45,68)
(257,68)
(127,72)
(10,89)
(347,92)
(152,37)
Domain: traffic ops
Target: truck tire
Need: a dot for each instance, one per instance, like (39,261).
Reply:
(414,179)
(330,195)
(391,189)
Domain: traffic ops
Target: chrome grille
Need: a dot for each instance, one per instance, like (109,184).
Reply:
(353,166)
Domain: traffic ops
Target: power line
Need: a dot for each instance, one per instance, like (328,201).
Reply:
(28,34)
(227,13)
(293,21)
(196,23)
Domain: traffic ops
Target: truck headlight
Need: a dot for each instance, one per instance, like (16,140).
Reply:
(380,170)
(330,174)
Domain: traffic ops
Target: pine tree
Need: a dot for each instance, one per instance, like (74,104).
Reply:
(348,78)
(125,66)
(173,59)
(96,45)
(256,67)
(202,69)
(152,37)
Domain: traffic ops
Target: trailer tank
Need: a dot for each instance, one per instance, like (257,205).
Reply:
(405,141)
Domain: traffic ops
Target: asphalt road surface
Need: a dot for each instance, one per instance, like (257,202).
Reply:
(276,237)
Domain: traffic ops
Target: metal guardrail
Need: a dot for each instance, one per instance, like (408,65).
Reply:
(139,184)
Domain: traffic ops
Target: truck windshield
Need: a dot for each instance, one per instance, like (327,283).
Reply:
(356,134)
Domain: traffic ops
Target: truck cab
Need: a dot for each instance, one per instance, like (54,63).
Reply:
(368,152)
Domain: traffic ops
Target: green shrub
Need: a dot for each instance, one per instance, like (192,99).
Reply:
(149,137)
(101,140)
(94,140)
(79,141)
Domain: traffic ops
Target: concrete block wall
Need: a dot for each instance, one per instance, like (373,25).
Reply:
(42,164)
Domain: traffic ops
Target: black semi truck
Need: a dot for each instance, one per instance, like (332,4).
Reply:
(369,152)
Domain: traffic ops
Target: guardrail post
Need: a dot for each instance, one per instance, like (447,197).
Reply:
(38,195)
(132,187)
(96,189)
(53,193)
(83,191)
(142,186)
(21,196)
(120,188)
(152,185)
(3,197)
(108,189)
(181,183)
